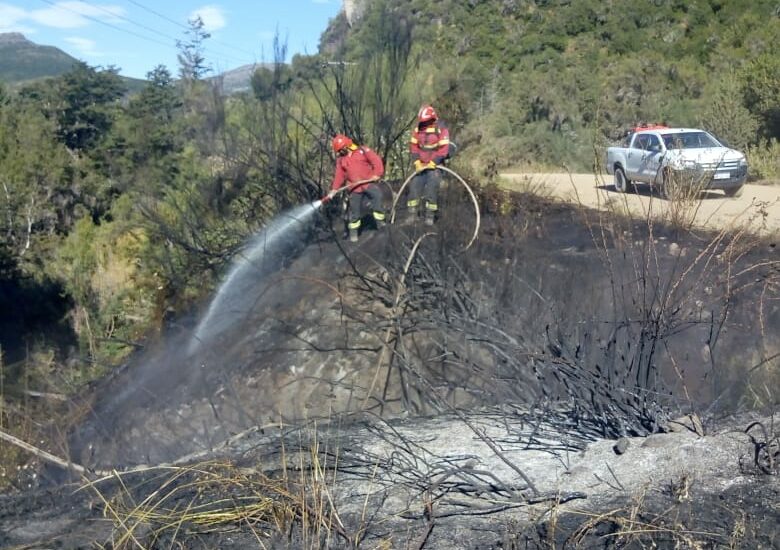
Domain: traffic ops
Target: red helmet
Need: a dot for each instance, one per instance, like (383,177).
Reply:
(427,114)
(340,141)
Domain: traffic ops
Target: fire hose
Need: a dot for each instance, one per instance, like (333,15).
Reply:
(396,196)
(473,197)
(349,187)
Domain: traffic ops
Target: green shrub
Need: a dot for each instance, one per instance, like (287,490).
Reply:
(764,161)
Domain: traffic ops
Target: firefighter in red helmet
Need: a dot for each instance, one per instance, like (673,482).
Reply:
(429,147)
(357,168)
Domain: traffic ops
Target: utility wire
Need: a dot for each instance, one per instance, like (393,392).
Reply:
(158,14)
(159,33)
(96,20)
(123,18)
(177,23)
(127,31)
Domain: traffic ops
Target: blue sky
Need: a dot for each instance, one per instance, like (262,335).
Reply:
(137,35)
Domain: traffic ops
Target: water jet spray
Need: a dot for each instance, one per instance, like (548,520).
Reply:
(265,253)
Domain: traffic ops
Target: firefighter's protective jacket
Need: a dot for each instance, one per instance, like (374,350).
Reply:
(430,143)
(361,163)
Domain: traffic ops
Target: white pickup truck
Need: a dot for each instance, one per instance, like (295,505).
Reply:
(664,157)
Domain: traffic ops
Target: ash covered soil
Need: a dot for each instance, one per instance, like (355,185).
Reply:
(426,483)
(408,393)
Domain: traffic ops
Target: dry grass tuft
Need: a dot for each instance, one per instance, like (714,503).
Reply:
(199,499)
(530,184)
(684,194)
(171,503)
(636,525)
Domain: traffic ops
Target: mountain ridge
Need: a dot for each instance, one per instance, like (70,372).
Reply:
(22,60)
(239,79)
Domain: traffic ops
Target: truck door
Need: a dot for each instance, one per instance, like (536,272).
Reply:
(650,168)
(634,156)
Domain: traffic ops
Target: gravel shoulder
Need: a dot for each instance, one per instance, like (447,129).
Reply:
(758,207)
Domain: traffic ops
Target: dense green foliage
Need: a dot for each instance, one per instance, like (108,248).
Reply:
(130,207)
(543,81)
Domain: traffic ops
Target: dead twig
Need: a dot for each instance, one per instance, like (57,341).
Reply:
(48,457)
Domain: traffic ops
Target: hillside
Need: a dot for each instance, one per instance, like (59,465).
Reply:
(291,428)
(239,79)
(21,59)
(188,336)
(542,82)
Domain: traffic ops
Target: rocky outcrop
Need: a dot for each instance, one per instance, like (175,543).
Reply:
(12,38)
(354,9)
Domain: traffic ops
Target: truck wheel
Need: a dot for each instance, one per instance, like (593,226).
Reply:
(735,191)
(621,181)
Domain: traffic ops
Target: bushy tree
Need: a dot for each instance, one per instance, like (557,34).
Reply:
(152,118)
(88,105)
(761,88)
(35,197)
(726,116)
(269,81)
(192,59)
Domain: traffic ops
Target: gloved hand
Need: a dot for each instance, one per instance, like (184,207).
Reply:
(328,197)
(419,165)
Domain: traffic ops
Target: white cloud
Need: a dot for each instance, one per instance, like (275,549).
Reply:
(11,19)
(27,31)
(10,15)
(72,15)
(84,46)
(213,17)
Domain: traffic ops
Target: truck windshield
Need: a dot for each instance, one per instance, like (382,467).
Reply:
(689,140)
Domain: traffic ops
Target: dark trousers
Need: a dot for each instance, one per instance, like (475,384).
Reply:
(425,186)
(360,204)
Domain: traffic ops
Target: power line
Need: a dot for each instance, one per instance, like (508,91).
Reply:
(122,17)
(96,20)
(150,10)
(170,20)
(130,32)
(155,31)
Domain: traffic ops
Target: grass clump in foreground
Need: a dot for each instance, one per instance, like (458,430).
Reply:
(172,504)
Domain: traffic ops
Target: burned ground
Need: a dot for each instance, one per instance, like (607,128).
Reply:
(569,326)
(424,483)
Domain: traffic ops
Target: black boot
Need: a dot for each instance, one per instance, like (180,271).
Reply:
(430,217)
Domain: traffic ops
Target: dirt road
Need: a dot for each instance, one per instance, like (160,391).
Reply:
(759,205)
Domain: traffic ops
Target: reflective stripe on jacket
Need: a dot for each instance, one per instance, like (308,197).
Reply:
(430,143)
(361,163)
